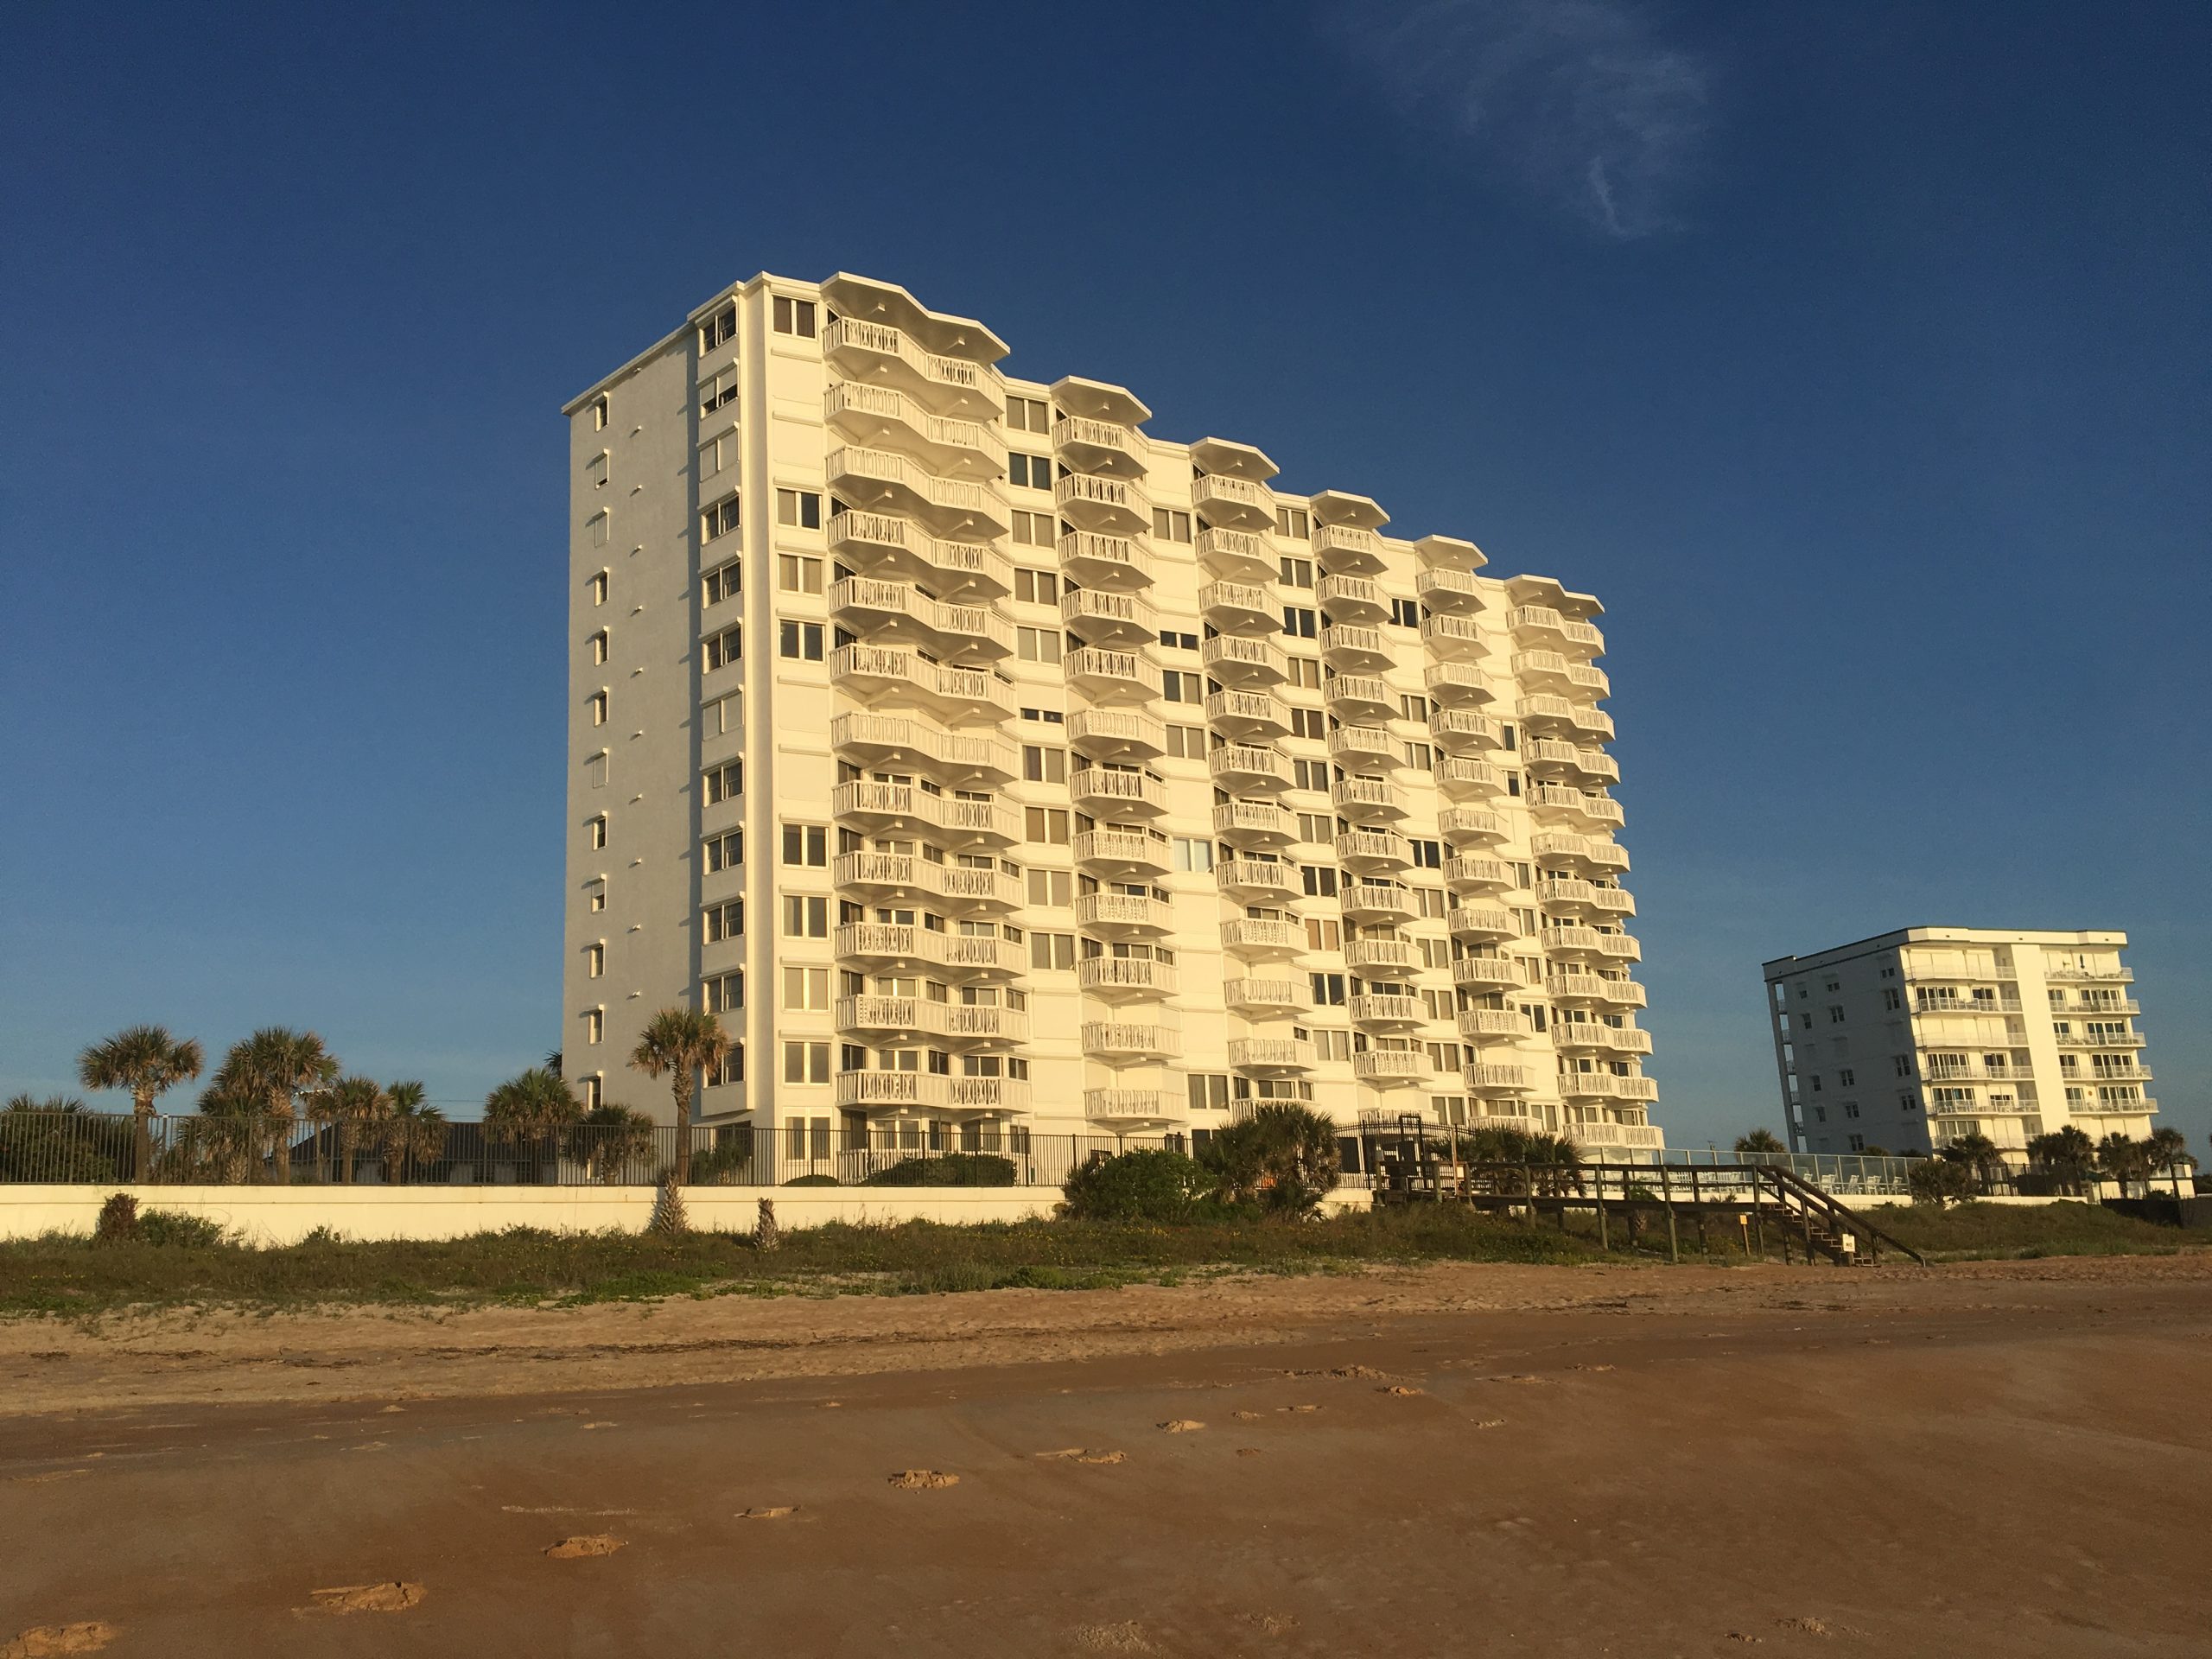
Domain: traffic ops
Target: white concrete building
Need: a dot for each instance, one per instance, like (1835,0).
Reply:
(983,759)
(1910,1039)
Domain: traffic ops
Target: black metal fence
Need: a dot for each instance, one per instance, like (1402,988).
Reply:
(93,1147)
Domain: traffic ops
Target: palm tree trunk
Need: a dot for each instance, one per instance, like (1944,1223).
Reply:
(345,1152)
(142,1136)
(284,1121)
(683,1129)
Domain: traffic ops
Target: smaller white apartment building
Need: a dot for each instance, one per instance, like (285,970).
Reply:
(1907,1041)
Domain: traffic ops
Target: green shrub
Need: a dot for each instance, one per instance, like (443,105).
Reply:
(1940,1181)
(811,1180)
(118,1219)
(949,1169)
(728,1163)
(172,1227)
(1148,1186)
(1283,1158)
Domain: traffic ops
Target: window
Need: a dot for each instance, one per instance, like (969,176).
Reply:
(1308,722)
(723,993)
(1030,472)
(1037,586)
(1908,1101)
(1857,1143)
(799,641)
(595,769)
(1297,573)
(1209,1090)
(724,648)
(725,713)
(1846,1078)
(595,961)
(595,1025)
(719,518)
(1298,622)
(1052,951)
(794,316)
(718,390)
(1316,827)
(716,330)
(1320,880)
(1180,641)
(1427,855)
(725,782)
(1304,671)
(598,588)
(1168,525)
(732,1069)
(1180,685)
(1042,765)
(596,830)
(1420,757)
(600,528)
(1191,854)
(806,844)
(806,989)
(1324,936)
(601,644)
(1028,415)
(1328,989)
(720,583)
(1851,1108)
(797,574)
(1310,774)
(725,921)
(799,508)
(597,704)
(595,470)
(1045,824)
(1835,1016)
(1902,1063)
(1033,528)
(594,1091)
(599,413)
(595,895)
(1187,742)
(723,852)
(1037,644)
(1052,889)
(805,918)
(1405,612)
(1293,523)
(806,1062)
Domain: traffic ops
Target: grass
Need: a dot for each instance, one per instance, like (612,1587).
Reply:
(1972,1231)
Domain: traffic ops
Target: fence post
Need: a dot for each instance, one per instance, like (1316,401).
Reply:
(1604,1233)
(1667,1197)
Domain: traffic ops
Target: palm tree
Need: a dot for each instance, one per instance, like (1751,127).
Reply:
(57,1139)
(414,1131)
(2125,1160)
(680,1043)
(275,1066)
(2069,1156)
(607,1140)
(2169,1151)
(149,1062)
(1978,1152)
(1283,1156)
(1761,1143)
(530,1107)
(226,1139)
(357,1108)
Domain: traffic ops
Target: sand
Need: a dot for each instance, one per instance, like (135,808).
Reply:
(1982,1460)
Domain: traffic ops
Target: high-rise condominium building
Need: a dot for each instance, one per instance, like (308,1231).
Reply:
(1908,1041)
(985,762)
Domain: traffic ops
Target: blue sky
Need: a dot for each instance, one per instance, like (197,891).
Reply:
(1856,356)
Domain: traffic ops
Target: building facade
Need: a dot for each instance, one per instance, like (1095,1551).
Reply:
(987,763)
(1908,1041)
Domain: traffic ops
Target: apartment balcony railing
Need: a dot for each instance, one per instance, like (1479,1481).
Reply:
(1570,1036)
(907,741)
(865,803)
(2070,973)
(1098,561)
(1236,556)
(1113,506)
(1973,1071)
(2117,1008)
(1482,922)
(1371,901)
(1260,880)
(1363,747)
(1125,1041)
(1382,956)
(1605,1085)
(1352,600)
(1481,1078)
(1355,648)
(1240,607)
(866,604)
(1545,712)
(1492,1025)
(1463,776)
(1116,735)
(1967,1005)
(1593,851)
(1386,1011)
(1233,503)
(1111,978)
(1360,698)
(1549,756)
(1104,616)
(1270,1056)
(1136,1108)
(2093,1040)
(959,888)
(883,481)
(1463,873)
(889,1018)
(900,944)
(932,1090)
(1264,994)
(1345,549)
(879,415)
(1104,447)
(1441,589)
(1262,939)
(1111,676)
(1594,987)
(1254,823)
(1570,893)
(1462,731)
(1248,717)
(884,544)
(1489,973)
(1374,850)
(1548,667)
(1390,1068)
(1116,852)
(1369,800)
(1630,1137)
(952,693)
(1458,684)
(1105,793)
(1242,767)
(1459,638)
(1122,915)
(1461,824)
(1540,622)
(877,352)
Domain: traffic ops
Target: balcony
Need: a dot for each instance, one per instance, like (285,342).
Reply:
(897,741)
(1462,824)
(879,480)
(883,544)
(871,606)
(1239,767)
(1387,957)
(1360,699)
(1263,995)
(1125,978)
(1457,684)
(1237,556)
(1619,947)
(1569,894)
(1550,757)
(1363,747)
(877,353)
(2069,973)
(1481,922)
(1240,607)
(930,1090)
(1347,550)
(1113,562)
(1575,942)
(891,877)
(1107,447)
(1390,1068)
(1372,902)
(1459,638)
(1355,648)
(1111,676)
(1262,939)
(881,415)
(2146,1107)
(1375,851)
(1352,599)
(1545,714)
(1443,589)
(1488,973)
(1541,624)
(1548,668)
(1591,851)
(902,944)
(1270,1056)
(1105,793)
(1368,800)
(1237,661)
(888,809)
(1257,880)
(894,1019)
(1122,915)
(1254,823)
(1463,777)
(1594,987)
(1101,616)
(1493,1024)
(1627,1137)
(1604,1085)
(1462,731)
(1136,1109)
(1233,503)
(1483,1078)
(1387,1011)
(1251,717)
(1108,506)
(2118,1008)
(1121,853)
(1466,873)
(1125,1042)
(2108,1039)
(1570,1036)
(950,693)
(1116,735)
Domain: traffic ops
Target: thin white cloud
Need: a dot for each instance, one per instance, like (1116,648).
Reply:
(1579,102)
